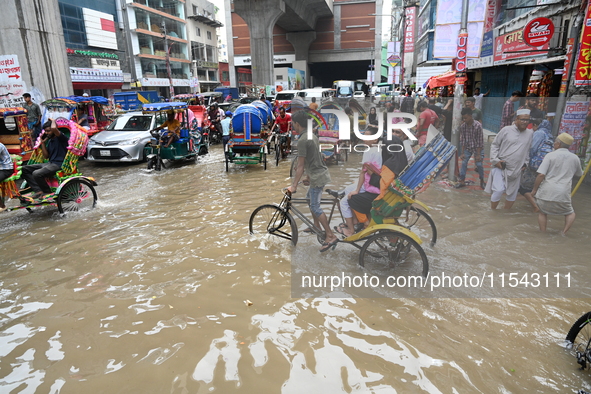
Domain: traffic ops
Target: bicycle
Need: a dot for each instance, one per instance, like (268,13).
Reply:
(279,145)
(579,340)
(393,243)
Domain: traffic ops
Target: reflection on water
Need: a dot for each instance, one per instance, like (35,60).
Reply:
(147,292)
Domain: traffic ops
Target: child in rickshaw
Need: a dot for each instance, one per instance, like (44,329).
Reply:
(362,202)
(371,164)
(174,130)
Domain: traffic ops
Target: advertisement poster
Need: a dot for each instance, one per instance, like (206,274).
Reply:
(583,71)
(296,79)
(510,48)
(12,85)
(573,121)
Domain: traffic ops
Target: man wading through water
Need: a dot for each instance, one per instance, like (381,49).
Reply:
(310,159)
(509,154)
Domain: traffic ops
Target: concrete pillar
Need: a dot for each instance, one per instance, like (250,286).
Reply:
(32,30)
(230,43)
(301,43)
(260,16)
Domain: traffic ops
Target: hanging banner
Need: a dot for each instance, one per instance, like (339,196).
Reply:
(583,71)
(409,29)
(569,58)
(461,57)
(492,8)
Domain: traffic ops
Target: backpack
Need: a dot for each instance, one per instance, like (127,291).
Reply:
(546,147)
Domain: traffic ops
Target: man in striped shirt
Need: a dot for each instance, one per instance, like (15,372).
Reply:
(508,109)
(472,143)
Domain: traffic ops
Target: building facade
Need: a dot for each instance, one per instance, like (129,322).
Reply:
(95,44)
(202,31)
(159,46)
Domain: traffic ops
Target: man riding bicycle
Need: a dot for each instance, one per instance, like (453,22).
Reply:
(283,122)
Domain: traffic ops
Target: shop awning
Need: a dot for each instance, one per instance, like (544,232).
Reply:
(541,60)
(442,80)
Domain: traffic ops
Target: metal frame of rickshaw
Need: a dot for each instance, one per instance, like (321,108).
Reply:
(21,135)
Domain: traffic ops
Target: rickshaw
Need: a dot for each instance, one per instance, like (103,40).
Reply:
(15,133)
(393,238)
(246,144)
(190,145)
(71,191)
(65,107)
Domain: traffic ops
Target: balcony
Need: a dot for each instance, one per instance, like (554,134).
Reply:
(206,20)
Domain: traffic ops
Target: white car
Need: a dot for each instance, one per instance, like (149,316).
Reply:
(358,94)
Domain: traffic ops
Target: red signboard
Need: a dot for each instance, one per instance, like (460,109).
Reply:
(409,29)
(461,57)
(538,31)
(491,13)
(510,46)
(583,71)
(567,62)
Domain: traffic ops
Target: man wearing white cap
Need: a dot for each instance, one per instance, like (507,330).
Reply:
(509,153)
(553,184)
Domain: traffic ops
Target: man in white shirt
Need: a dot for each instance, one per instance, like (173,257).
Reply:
(478,98)
(553,184)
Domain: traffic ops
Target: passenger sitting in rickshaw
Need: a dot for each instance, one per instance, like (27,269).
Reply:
(371,163)
(391,169)
(284,123)
(82,118)
(55,150)
(174,130)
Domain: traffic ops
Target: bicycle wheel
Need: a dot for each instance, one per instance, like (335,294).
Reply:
(389,250)
(420,223)
(580,333)
(77,194)
(273,220)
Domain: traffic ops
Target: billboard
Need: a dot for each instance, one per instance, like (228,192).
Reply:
(12,85)
(447,28)
(100,29)
(409,29)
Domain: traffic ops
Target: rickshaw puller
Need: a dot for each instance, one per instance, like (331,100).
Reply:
(55,151)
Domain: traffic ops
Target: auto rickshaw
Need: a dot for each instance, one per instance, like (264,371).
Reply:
(15,133)
(190,145)
(93,107)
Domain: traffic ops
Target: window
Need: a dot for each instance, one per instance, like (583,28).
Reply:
(195,10)
(198,32)
(225,76)
(73,25)
(209,35)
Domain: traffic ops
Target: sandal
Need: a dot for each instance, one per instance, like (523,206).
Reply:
(329,245)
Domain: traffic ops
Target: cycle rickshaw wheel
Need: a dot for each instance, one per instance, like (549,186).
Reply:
(580,334)
(420,223)
(273,220)
(390,250)
(76,195)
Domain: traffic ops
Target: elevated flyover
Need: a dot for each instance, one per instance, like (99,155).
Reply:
(298,17)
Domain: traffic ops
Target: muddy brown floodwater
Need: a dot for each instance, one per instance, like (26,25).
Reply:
(146,294)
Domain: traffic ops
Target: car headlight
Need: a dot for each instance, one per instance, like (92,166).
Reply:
(130,142)
(91,142)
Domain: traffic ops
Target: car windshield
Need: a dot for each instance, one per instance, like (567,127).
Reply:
(131,123)
(285,96)
(343,90)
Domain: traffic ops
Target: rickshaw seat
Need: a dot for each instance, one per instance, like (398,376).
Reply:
(184,133)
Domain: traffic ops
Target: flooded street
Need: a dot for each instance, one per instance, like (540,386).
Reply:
(147,294)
